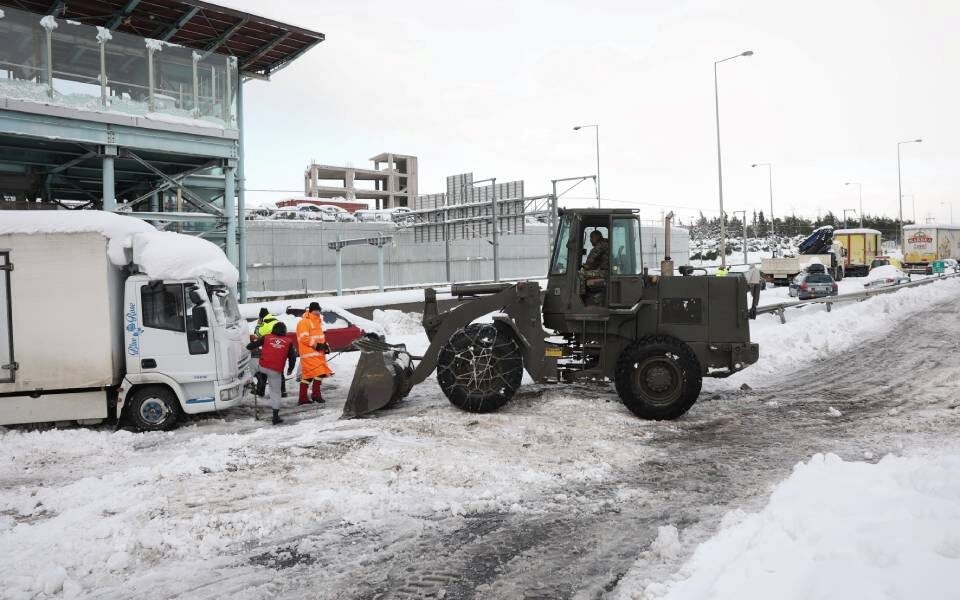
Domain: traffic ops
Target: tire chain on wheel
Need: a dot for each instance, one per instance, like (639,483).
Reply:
(480,367)
(688,364)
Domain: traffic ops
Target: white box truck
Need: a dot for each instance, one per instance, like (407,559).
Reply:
(85,339)
(924,244)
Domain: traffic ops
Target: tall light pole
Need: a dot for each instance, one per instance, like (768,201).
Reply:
(860,190)
(716,105)
(950,204)
(900,187)
(770,181)
(596,129)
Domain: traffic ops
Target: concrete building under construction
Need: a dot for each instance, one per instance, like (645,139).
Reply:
(391,183)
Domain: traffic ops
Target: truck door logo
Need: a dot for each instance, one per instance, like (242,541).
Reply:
(133,348)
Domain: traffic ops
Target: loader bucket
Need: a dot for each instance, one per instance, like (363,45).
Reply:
(382,376)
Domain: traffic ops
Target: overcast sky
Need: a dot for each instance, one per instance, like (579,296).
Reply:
(496,87)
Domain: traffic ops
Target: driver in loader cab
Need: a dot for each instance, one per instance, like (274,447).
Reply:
(593,273)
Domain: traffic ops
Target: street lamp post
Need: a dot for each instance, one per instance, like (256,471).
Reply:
(596,129)
(716,106)
(950,204)
(770,181)
(860,193)
(900,187)
(744,223)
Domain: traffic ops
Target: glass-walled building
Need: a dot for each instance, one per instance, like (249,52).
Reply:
(134,108)
(64,63)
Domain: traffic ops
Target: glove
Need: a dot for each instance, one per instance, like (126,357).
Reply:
(322,348)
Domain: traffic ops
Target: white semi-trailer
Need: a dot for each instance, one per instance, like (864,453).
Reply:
(146,334)
(924,244)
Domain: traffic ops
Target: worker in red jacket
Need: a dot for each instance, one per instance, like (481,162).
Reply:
(277,348)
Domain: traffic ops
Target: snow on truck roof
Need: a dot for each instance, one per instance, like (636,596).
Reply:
(855,230)
(930,226)
(158,254)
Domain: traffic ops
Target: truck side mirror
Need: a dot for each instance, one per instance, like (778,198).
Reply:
(198,318)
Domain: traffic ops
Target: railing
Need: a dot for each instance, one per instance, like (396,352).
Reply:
(779,309)
(68,64)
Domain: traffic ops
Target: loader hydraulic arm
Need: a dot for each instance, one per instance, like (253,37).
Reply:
(520,303)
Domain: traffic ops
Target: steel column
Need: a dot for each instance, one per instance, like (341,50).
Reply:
(109,197)
(496,231)
(339,270)
(230,212)
(379,265)
(241,195)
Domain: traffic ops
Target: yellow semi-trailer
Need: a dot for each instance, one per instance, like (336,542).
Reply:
(923,244)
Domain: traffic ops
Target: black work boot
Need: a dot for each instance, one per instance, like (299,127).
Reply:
(276,417)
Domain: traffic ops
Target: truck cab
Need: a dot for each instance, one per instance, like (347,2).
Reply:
(184,343)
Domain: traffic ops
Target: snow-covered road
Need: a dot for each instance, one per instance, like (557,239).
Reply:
(558,496)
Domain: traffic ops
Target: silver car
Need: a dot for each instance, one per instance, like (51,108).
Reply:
(813,285)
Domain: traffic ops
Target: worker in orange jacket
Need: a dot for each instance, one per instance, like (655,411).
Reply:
(312,348)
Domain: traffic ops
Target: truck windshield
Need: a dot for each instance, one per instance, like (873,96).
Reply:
(558,266)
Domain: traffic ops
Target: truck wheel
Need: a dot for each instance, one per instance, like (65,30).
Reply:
(658,377)
(153,408)
(480,367)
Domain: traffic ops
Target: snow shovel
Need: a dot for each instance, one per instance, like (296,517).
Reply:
(382,376)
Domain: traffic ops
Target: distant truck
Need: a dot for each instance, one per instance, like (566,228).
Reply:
(860,247)
(819,248)
(923,244)
(781,271)
(82,339)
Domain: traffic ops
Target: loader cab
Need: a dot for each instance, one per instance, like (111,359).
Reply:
(616,282)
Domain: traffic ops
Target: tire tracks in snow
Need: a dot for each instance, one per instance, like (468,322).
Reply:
(577,541)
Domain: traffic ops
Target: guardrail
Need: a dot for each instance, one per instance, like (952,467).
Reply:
(780,308)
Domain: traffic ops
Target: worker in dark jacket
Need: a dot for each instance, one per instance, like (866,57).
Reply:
(593,273)
(276,348)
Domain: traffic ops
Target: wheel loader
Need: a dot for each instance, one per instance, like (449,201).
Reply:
(654,336)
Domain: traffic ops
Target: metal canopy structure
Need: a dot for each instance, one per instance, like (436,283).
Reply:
(134,107)
(262,46)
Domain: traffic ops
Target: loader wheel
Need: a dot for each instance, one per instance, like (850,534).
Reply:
(480,367)
(153,408)
(658,377)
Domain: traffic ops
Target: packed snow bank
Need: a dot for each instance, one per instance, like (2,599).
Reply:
(397,322)
(836,529)
(811,333)
(168,255)
(160,255)
(250,309)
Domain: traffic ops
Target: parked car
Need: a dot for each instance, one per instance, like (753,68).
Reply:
(339,328)
(813,285)
(882,261)
(885,276)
